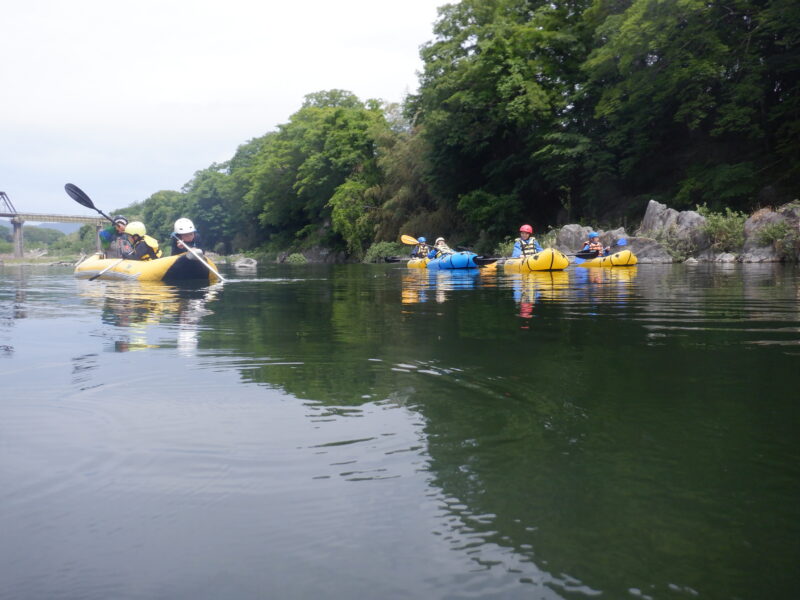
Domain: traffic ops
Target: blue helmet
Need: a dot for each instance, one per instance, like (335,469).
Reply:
(422,240)
(592,235)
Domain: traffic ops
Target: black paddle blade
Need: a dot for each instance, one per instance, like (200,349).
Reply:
(484,260)
(79,195)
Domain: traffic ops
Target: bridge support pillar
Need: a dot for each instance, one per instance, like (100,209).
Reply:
(19,245)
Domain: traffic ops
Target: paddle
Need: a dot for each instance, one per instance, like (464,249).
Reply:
(484,260)
(200,258)
(111,266)
(80,197)
(409,240)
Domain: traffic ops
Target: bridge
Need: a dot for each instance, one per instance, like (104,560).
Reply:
(7,210)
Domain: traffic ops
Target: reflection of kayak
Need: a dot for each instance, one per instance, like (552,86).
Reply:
(623,258)
(417,263)
(457,260)
(169,268)
(548,259)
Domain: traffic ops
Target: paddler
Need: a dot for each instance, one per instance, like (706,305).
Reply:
(422,249)
(593,244)
(185,236)
(113,240)
(525,244)
(440,248)
(144,247)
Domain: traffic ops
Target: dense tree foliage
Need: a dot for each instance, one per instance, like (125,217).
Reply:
(529,111)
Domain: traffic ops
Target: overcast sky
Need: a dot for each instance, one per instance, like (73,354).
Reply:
(126,98)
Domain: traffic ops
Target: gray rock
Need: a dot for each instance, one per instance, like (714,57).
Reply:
(726,257)
(570,238)
(685,230)
(648,250)
(246,263)
(691,261)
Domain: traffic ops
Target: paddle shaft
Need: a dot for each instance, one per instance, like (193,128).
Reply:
(200,258)
(93,277)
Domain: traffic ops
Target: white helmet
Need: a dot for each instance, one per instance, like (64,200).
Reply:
(184,226)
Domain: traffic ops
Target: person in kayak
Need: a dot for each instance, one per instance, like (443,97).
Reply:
(113,240)
(440,248)
(144,247)
(526,244)
(593,244)
(185,236)
(422,249)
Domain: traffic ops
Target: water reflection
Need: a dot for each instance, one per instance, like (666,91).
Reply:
(133,309)
(421,285)
(577,458)
(533,287)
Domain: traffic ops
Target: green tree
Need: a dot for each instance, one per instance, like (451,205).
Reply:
(294,179)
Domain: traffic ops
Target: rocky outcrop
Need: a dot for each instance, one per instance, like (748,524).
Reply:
(684,231)
(772,235)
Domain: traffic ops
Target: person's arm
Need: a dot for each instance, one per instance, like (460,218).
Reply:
(107,236)
(536,245)
(517,250)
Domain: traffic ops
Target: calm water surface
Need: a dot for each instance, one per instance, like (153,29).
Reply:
(364,431)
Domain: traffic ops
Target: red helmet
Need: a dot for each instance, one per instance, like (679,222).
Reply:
(526,229)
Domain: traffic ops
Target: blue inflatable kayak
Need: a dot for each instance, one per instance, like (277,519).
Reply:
(458,260)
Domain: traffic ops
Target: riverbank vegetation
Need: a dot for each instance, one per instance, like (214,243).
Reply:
(547,113)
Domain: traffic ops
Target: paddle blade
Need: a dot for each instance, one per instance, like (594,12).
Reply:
(484,260)
(622,242)
(408,240)
(79,195)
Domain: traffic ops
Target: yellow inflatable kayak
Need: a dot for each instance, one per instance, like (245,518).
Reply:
(623,258)
(548,259)
(168,268)
(418,263)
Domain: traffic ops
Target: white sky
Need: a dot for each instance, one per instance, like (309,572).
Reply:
(128,98)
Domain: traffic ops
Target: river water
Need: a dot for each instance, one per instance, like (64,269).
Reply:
(371,431)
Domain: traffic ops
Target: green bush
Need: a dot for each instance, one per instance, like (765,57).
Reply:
(726,230)
(781,236)
(678,248)
(296,259)
(377,252)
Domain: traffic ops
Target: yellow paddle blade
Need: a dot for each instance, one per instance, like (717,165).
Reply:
(408,240)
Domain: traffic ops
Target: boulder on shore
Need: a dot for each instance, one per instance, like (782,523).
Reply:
(685,230)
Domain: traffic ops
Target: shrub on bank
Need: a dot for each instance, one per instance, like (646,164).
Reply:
(726,230)
(379,251)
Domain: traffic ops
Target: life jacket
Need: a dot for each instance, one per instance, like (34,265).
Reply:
(145,249)
(421,251)
(528,248)
(442,250)
(595,246)
(153,244)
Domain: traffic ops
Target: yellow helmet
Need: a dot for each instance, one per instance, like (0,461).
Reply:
(136,228)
